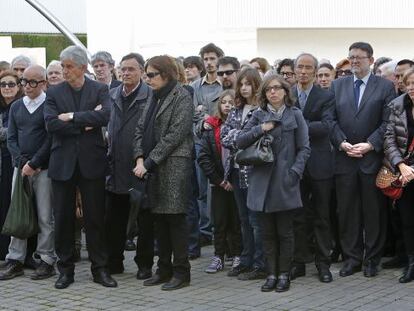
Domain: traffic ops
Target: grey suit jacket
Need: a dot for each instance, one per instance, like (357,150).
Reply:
(365,124)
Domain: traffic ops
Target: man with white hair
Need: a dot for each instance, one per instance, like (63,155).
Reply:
(103,65)
(19,64)
(54,73)
(75,112)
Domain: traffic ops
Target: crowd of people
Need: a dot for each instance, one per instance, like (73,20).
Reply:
(150,149)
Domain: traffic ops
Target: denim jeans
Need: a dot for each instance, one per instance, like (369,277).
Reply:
(251,231)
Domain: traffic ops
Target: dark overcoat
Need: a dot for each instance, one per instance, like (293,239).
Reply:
(169,183)
(275,187)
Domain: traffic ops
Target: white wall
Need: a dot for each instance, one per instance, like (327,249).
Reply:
(333,44)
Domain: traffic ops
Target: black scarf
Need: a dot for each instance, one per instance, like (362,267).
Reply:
(158,97)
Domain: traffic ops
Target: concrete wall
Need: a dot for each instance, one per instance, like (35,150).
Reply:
(333,44)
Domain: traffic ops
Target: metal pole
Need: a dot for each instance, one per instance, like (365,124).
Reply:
(57,23)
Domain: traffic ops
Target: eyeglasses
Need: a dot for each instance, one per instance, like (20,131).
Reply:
(227,72)
(287,74)
(357,58)
(9,84)
(273,88)
(32,83)
(344,72)
(151,75)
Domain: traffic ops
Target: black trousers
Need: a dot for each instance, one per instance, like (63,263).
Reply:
(172,233)
(226,222)
(406,208)
(144,257)
(93,203)
(278,240)
(313,220)
(362,217)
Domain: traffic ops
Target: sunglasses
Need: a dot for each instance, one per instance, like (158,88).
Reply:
(9,84)
(344,72)
(226,72)
(151,75)
(32,83)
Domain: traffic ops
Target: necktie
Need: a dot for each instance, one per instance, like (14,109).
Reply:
(357,91)
(302,100)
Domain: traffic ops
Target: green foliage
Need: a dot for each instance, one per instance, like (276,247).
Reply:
(54,43)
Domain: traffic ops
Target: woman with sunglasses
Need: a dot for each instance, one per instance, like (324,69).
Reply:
(274,190)
(163,152)
(10,91)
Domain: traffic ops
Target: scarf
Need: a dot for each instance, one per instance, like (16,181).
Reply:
(216,122)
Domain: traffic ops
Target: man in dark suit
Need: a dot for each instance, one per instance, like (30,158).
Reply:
(317,106)
(358,137)
(75,112)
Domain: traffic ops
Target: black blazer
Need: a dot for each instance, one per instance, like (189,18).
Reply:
(318,114)
(365,124)
(71,144)
(209,159)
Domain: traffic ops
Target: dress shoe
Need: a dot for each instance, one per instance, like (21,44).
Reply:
(297,270)
(64,281)
(104,278)
(370,270)
(175,283)
(43,271)
(144,274)
(156,279)
(408,274)
(270,284)
(349,269)
(255,274)
(130,245)
(395,262)
(325,276)
(283,282)
(13,269)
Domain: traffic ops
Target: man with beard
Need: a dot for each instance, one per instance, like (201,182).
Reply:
(227,71)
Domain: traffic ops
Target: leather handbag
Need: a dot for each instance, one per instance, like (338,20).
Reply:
(258,153)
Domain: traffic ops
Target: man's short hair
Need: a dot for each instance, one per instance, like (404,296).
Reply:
(193,61)
(363,46)
(21,59)
(285,62)
(229,60)
(103,56)
(138,57)
(76,54)
(326,65)
(53,63)
(315,60)
(211,48)
(4,65)
(405,62)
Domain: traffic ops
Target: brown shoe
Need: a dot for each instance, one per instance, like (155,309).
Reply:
(14,269)
(43,271)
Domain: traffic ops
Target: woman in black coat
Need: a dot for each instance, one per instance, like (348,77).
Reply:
(274,189)
(398,137)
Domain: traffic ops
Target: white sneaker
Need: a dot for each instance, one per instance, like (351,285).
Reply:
(215,265)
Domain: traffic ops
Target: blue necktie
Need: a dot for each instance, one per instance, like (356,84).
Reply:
(357,89)
(302,100)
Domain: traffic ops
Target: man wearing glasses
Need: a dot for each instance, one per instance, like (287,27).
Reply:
(227,71)
(29,145)
(358,137)
(285,69)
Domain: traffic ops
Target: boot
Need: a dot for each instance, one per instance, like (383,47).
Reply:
(408,274)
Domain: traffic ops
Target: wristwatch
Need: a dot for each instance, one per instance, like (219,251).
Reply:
(71,116)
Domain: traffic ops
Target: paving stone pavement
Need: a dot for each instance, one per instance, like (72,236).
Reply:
(208,292)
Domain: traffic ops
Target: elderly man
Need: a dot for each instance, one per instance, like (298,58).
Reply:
(19,64)
(103,65)
(29,146)
(54,73)
(129,101)
(75,112)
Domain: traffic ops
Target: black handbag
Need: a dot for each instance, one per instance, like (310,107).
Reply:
(258,153)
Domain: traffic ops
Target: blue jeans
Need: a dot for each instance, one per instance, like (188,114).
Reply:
(252,253)
(204,207)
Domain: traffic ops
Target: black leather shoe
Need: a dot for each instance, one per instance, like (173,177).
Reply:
(325,276)
(156,279)
(175,283)
(349,269)
(13,269)
(297,270)
(408,274)
(396,262)
(370,270)
(144,274)
(105,279)
(270,284)
(64,281)
(283,282)
(44,271)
